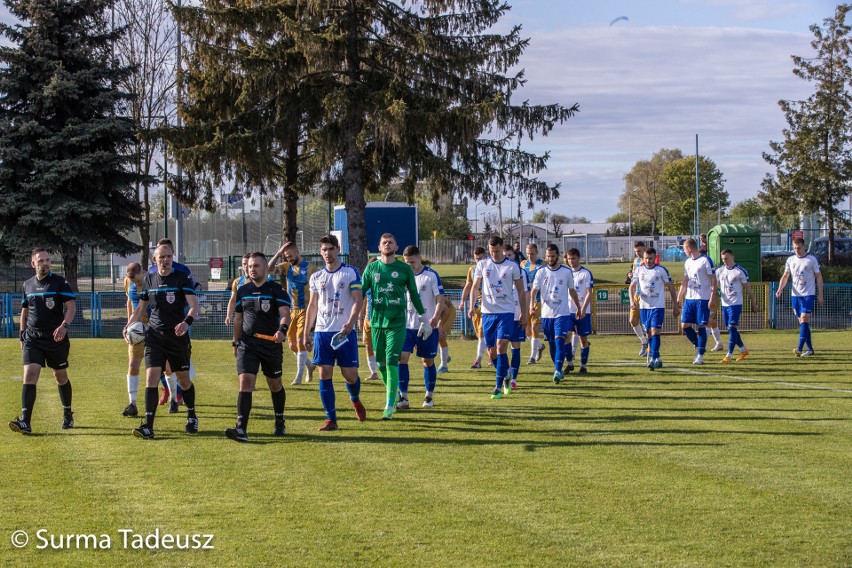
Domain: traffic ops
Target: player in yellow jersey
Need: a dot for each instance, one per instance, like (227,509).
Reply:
(296,272)
(448,317)
(478,254)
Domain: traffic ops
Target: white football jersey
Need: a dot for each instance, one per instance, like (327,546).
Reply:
(518,306)
(430,287)
(651,286)
(584,283)
(554,285)
(802,271)
(334,290)
(698,272)
(498,280)
(731,282)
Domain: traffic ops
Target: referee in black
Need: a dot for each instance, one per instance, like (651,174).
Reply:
(262,309)
(47,310)
(168,291)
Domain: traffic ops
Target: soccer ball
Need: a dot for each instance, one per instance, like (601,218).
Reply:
(136,333)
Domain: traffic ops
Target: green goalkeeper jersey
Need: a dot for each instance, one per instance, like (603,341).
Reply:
(387,284)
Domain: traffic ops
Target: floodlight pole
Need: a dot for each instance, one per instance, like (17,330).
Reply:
(697,209)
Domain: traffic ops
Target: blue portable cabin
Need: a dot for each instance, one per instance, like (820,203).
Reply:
(395,217)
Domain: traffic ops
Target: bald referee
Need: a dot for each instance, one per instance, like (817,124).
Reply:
(47,310)
(169,292)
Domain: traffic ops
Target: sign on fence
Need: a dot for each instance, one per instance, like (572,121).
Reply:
(602,295)
(625,297)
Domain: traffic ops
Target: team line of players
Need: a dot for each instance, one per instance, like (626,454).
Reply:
(406,309)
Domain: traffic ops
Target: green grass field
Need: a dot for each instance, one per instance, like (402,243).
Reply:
(739,465)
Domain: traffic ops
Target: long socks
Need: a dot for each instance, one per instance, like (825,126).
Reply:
(326,391)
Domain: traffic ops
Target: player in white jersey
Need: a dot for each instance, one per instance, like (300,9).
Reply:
(556,284)
(733,279)
(803,268)
(519,334)
(334,305)
(647,294)
(498,275)
(432,296)
(697,297)
(584,284)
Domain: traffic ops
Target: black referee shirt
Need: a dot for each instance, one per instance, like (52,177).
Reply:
(259,307)
(46,301)
(166,297)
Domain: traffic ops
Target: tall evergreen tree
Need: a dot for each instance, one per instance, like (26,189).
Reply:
(246,107)
(409,91)
(813,163)
(64,183)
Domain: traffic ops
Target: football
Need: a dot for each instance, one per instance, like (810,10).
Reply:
(136,333)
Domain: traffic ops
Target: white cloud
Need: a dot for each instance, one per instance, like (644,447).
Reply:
(642,89)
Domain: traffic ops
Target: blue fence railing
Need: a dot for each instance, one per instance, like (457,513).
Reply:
(103,314)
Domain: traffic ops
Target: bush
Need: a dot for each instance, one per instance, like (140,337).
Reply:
(773,269)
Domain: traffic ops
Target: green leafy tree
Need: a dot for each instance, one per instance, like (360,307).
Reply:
(65,183)
(813,162)
(644,192)
(678,180)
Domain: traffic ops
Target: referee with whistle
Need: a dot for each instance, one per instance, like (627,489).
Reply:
(260,327)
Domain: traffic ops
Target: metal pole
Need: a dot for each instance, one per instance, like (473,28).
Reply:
(697,214)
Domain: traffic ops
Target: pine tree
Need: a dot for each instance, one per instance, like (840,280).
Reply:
(408,92)
(64,184)
(813,163)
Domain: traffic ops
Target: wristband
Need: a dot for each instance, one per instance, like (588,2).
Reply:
(66,325)
(188,320)
(235,343)
(283,328)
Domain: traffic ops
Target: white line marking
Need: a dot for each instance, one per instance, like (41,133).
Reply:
(737,378)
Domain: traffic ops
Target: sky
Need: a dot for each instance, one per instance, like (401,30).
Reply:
(666,71)
(671,70)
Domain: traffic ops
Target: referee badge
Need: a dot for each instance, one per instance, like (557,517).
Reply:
(170,297)
(264,305)
(49,303)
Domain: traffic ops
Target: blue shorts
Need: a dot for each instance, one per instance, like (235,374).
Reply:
(345,356)
(519,333)
(559,326)
(652,318)
(583,326)
(695,311)
(425,349)
(497,326)
(802,305)
(731,315)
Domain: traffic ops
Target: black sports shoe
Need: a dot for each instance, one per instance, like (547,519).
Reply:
(144,432)
(18,425)
(280,429)
(569,368)
(130,410)
(192,425)
(583,370)
(68,421)
(236,434)
(173,407)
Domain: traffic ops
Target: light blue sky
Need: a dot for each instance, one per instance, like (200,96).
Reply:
(673,69)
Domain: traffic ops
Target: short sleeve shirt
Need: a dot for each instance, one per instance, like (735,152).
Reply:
(388,284)
(731,282)
(334,295)
(45,300)
(260,305)
(166,296)
(651,286)
(698,272)
(429,287)
(498,280)
(803,270)
(297,277)
(554,284)
(584,283)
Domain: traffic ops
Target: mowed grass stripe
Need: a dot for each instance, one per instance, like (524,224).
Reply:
(621,467)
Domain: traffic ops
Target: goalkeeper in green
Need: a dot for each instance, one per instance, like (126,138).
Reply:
(388,279)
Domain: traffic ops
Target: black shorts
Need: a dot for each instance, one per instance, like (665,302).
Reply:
(44,351)
(161,347)
(252,354)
